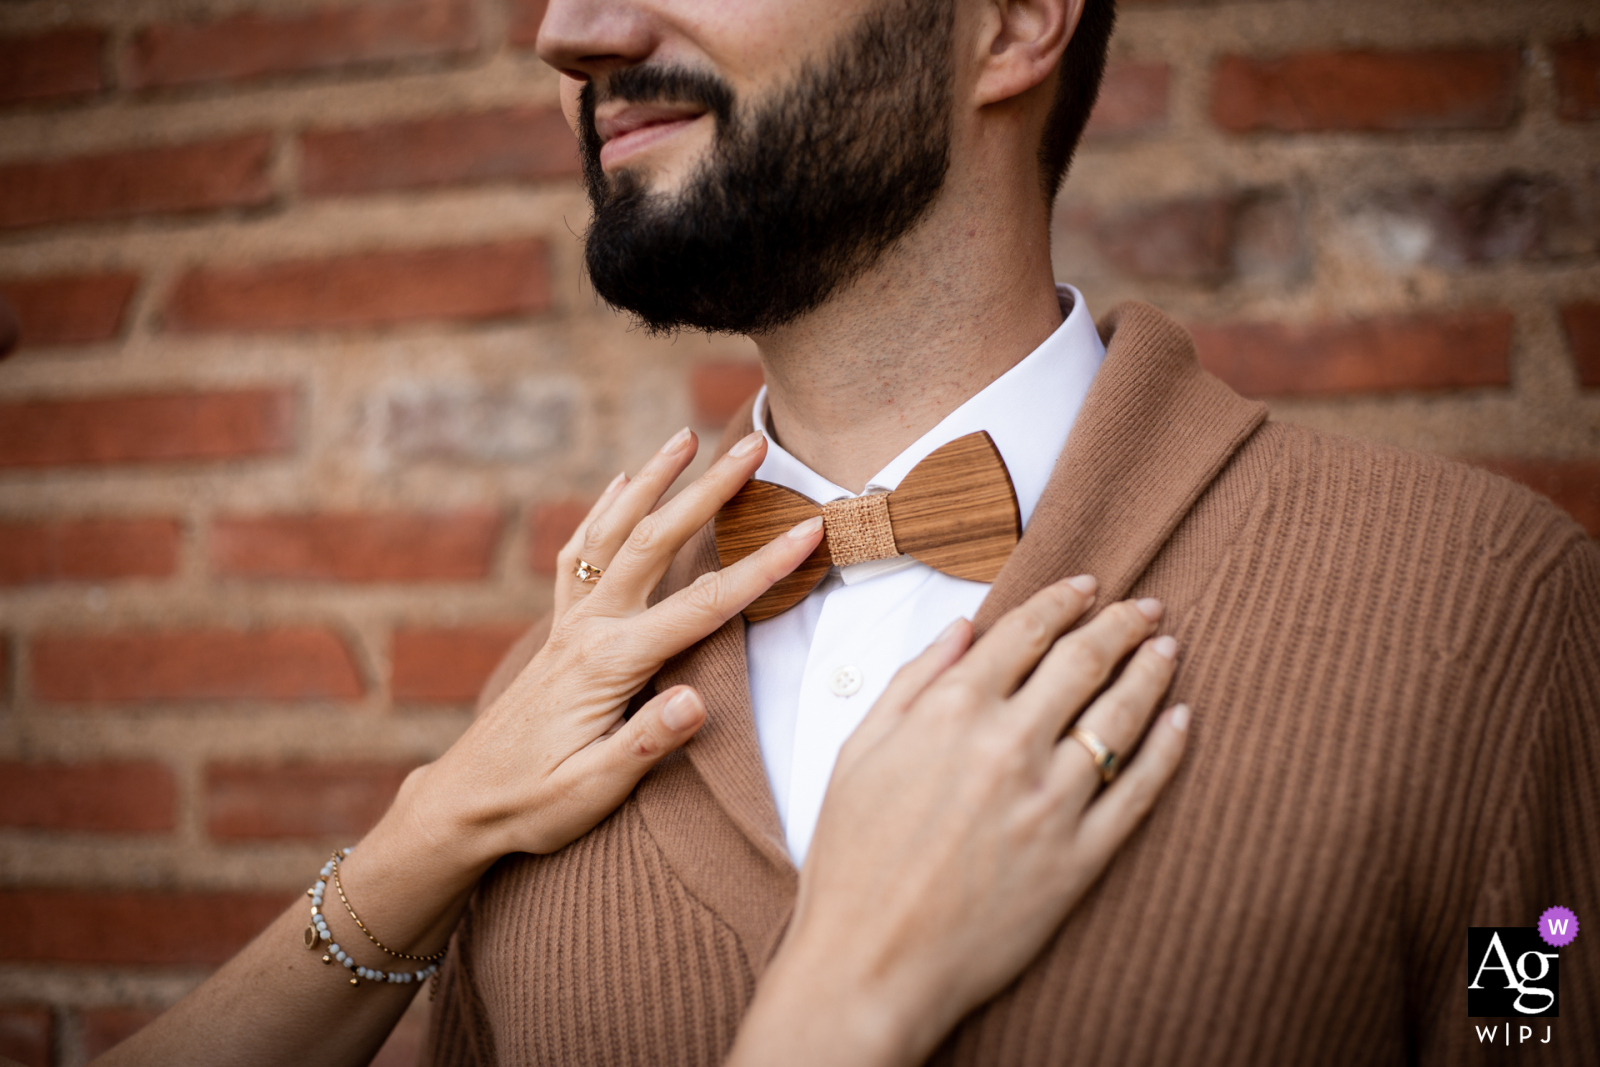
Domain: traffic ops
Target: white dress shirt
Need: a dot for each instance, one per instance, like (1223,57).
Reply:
(818,668)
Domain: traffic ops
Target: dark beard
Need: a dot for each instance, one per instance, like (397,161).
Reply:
(796,199)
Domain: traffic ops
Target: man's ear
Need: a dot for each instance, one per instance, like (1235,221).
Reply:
(1023,41)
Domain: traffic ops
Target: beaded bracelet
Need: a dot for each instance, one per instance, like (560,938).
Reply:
(318,932)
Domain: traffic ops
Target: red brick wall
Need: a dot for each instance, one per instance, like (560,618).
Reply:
(311,387)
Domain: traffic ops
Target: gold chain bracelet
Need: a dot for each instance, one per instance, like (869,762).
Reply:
(318,932)
(339,887)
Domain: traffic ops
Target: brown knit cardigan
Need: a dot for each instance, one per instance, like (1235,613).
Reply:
(1394,666)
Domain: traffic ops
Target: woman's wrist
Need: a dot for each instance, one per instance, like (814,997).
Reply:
(440,823)
(414,871)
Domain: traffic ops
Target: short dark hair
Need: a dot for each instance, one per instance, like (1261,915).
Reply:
(1082,66)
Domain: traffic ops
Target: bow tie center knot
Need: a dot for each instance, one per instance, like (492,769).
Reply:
(859,529)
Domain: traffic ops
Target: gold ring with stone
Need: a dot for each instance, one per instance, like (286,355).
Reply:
(587,572)
(1105,760)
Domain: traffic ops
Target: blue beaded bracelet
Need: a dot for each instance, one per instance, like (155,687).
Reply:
(318,932)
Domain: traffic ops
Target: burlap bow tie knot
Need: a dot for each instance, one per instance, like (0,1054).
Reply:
(955,511)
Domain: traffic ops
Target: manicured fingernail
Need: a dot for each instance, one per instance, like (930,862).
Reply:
(1084,583)
(949,631)
(1164,646)
(1149,607)
(677,442)
(746,445)
(616,482)
(1180,718)
(680,710)
(803,530)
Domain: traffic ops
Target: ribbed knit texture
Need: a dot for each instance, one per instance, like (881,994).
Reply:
(1394,666)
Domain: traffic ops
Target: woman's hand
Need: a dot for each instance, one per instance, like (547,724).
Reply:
(960,827)
(552,756)
(541,765)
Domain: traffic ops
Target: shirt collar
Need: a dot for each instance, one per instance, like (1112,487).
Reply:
(1028,412)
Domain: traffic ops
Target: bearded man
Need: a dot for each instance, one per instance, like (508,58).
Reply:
(1392,659)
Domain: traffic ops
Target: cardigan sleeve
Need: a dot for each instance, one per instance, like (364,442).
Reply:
(1546,850)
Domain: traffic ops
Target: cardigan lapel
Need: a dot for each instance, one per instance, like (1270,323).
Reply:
(712,812)
(725,751)
(1153,432)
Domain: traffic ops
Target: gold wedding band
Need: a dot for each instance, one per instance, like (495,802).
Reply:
(587,572)
(1107,761)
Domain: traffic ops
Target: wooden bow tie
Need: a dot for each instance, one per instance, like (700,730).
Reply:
(955,511)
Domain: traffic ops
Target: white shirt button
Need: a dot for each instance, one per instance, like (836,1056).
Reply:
(846,681)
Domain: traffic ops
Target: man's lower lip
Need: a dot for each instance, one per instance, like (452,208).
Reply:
(614,151)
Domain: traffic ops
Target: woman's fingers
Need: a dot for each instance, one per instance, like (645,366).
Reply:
(1012,647)
(1117,717)
(1080,663)
(715,597)
(906,685)
(595,780)
(568,588)
(656,538)
(605,530)
(1114,815)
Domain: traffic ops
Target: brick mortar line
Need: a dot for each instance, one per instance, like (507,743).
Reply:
(82,988)
(126,120)
(401,221)
(235,735)
(1262,28)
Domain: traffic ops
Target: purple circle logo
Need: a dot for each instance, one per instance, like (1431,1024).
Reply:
(1558,926)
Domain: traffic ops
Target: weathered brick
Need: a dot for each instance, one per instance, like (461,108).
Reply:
(27,1034)
(102,1029)
(1509,217)
(1574,484)
(69,309)
(1206,240)
(1311,91)
(366,289)
(1446,350)
(227,172)
(525,18)
(1577,69)
(357,547)
(60,925)
(528,419)
(550,523)
(1187,240)
(67,62)
(254,44)
(448,665)
(510,144)
(56,550)
(1133,99)
(305,663)
(298,800)
(718,386)
(146,428)
(10,327)
(106,797)
(1583,337)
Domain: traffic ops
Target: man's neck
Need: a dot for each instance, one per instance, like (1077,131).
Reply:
(943,314)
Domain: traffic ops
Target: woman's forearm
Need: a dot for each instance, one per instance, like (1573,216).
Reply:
(550,757)
(276,1002)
